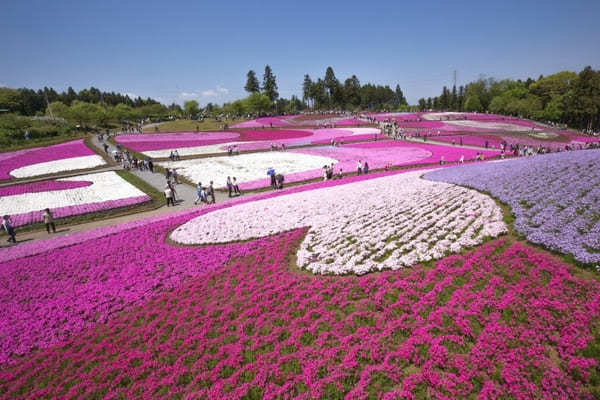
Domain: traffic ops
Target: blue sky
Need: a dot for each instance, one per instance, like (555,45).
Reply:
(179,50)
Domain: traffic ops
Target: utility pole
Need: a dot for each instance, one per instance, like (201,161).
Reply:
(454,77)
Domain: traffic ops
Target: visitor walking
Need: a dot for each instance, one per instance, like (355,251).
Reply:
(236,188)
(200,195)
(7,226)
(229,186)
(169,196)
(49,221)
(366,168)
(358,168)
(211,193)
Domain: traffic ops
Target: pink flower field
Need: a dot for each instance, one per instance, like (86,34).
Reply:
(160,144)
(120,312)
(13,160)
(499,321)
(41,186)
(25,203)
(264,122)
(377,154)
(162,141)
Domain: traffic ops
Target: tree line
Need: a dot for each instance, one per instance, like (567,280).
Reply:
(330,93)
(565,97)
(30,102)
(326,93)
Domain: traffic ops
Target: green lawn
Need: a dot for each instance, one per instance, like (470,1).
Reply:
(187,125)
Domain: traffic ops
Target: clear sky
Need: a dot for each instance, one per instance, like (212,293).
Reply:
(179,50)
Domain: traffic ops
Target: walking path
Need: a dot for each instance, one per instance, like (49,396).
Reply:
(185,200)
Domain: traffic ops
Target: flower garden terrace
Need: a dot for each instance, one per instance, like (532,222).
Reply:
(452,311)
(481,129)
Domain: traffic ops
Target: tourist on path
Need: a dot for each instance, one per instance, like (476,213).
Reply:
(236,188)
(200,195)
(49,221)
(7,226)
(229,186)
(358,168)
(211,193)
(169,196)
(366,168)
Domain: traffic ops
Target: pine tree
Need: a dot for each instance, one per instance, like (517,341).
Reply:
(269,86)
(252,85)
(306,86)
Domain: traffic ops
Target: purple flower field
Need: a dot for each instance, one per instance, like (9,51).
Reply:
(555,198)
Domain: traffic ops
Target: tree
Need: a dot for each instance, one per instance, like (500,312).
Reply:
(252,85)
(86,113)
(553,85)
(122,112)
(473,104)
(352,91)
(306,86)
(10,99)
(269,86)
(190,108)
(318,94)
(454,99)
(422,104)
(258,103)
(399,98)
(331,83)
(59,110)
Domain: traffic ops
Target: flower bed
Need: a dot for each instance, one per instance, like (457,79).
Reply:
(502,321)
(42,186)
(262,140)
(161,144)
(555,198)
(246,167)
(122,266)
(303,164)
(67,197)
(263,122)
(385,223)
(470,140)
(62,157)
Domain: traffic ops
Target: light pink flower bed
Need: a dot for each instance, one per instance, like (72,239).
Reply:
(350,122)
(162,141)
(42,186)
(34,217)
(377,154)
(469,140)
(264,122)
(17,159)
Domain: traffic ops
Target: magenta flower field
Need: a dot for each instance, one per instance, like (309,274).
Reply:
(377,155)
(127,311)
(161,141)
(24,158)
(500,321)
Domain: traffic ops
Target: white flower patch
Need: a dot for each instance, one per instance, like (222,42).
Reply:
(105,186)
(246,167)
(439,116)
(383,223)
(318,135)
(52,167)
(503,126)
(192,151)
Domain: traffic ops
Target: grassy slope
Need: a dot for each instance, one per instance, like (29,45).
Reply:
(186,125)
